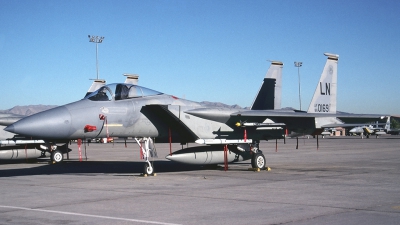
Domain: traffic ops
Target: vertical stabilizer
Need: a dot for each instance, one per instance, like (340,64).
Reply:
(325,95)
(269,95)
(387,125)
(97,83)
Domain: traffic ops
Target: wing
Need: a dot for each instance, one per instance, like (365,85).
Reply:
(166,115)
(292,119)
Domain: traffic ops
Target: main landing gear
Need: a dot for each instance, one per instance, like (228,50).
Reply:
(56,156)
(56,153)
(258,161)
(258,158)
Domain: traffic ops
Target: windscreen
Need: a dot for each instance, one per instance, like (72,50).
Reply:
(120,92)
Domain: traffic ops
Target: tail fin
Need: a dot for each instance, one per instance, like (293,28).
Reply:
(269,95)
(324,99)
(95,85)
(387,125)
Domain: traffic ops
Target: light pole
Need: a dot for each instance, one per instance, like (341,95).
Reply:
(97,40)
(298,65)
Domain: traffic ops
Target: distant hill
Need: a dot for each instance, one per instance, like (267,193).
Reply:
(28,109)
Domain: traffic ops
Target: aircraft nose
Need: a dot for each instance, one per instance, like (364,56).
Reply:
(51,124)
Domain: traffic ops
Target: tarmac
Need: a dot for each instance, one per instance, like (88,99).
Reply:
(347,180)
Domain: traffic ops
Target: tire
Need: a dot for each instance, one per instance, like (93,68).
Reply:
(258,161)
(148,170)
(57,156)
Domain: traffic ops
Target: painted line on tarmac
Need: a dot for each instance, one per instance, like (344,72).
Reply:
(86,215)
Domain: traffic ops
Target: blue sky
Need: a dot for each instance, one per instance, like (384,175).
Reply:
(201,50)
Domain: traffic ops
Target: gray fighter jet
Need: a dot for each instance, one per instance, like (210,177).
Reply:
(125,110)
(18,147)
(367,129)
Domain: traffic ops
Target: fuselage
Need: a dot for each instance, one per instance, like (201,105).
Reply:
(105,113)
(126,110)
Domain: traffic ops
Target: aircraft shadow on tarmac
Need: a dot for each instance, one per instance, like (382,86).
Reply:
(95,167)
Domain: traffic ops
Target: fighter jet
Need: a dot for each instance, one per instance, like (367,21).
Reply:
(133,111)
(370,129)
(18,147)
(125,110)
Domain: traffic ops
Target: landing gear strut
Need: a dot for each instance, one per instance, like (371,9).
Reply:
(258,158)
(148,166)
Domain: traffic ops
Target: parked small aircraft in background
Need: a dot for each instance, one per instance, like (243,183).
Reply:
(226,135)
(371,129)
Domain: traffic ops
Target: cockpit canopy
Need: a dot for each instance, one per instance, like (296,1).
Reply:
(120,92)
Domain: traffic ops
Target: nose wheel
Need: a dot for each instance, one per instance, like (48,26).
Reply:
(148,168)
(147,151)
